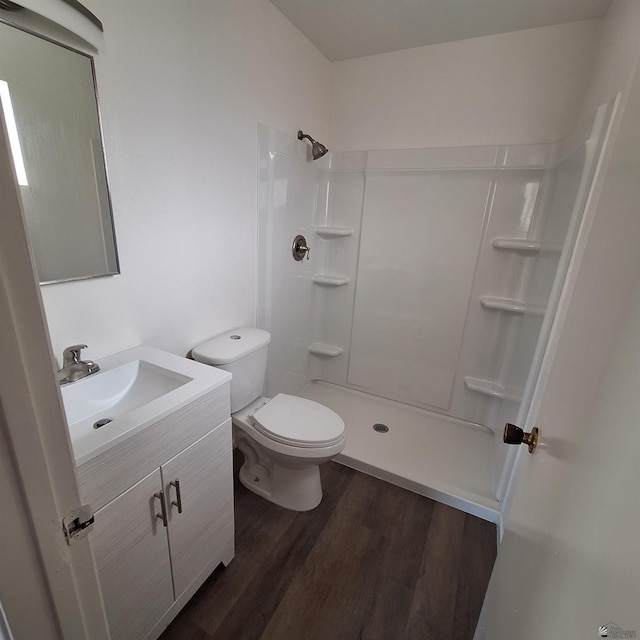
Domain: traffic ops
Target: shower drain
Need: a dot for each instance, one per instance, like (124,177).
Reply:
(380,428)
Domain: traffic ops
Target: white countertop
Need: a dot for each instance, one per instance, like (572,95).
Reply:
(191,381)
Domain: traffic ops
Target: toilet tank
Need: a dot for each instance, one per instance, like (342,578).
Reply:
(243,352)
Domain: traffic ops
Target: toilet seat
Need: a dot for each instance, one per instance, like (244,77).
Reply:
(298,422)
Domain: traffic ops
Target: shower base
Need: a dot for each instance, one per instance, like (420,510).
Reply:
(442,458)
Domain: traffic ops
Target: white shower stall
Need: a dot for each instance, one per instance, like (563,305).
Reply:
(425,302)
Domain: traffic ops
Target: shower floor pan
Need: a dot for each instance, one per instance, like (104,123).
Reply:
(442,458)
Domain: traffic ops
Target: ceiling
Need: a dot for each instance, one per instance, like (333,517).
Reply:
(344,29)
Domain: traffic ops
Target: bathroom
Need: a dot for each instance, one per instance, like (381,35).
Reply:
(512,109)
(183,91)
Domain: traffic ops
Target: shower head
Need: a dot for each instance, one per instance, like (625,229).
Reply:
(317,149)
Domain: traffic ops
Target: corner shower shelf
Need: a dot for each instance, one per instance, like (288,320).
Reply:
(329,350)
(511,305)
(503,304)
(486,387)
(521,245)
(325,280)
(334,232)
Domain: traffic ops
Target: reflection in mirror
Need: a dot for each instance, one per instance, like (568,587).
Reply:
(50,109)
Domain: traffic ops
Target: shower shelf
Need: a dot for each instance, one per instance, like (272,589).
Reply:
(511,305)
(322,349)
(334,232)
(503,304)
(521,245)
(487,387)
(325,280)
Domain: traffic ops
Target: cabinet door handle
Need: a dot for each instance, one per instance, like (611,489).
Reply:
(178,501)
(162,516)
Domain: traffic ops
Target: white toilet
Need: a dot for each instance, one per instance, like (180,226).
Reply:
(284,439)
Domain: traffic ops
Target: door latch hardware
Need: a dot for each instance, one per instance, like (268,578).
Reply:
(78,523)
(515,435)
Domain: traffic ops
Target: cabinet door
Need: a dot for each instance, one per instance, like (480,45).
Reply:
(201,533)
(130,547)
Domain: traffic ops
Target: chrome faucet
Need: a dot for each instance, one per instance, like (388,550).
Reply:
(73,368)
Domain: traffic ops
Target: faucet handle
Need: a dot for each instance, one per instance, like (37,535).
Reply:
(72,354)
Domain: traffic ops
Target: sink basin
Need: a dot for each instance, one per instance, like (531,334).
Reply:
(118,391)
(132,390)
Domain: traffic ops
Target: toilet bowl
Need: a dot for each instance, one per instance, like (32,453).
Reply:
(284,439)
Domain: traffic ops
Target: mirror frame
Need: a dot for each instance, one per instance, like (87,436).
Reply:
(30,30)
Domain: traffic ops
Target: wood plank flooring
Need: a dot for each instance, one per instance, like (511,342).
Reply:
(372,562)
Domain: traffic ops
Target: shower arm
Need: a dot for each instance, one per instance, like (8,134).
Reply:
(302,136)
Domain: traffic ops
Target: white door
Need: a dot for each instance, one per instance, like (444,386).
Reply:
(39,483)
(568,566)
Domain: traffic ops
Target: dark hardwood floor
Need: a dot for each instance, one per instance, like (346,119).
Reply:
(371,562)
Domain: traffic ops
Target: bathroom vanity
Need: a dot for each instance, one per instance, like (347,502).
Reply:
(160,483)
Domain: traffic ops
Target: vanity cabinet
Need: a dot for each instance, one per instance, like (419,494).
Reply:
(156,541)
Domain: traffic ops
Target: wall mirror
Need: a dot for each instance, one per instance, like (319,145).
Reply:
(49,103)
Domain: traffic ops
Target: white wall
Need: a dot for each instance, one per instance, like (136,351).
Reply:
(182,89)
(516,88)
(617,55)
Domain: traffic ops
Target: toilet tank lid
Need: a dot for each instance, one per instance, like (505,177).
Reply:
(231,346)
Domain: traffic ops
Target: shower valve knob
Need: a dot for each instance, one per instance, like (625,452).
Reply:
(515,435)
(299,248)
